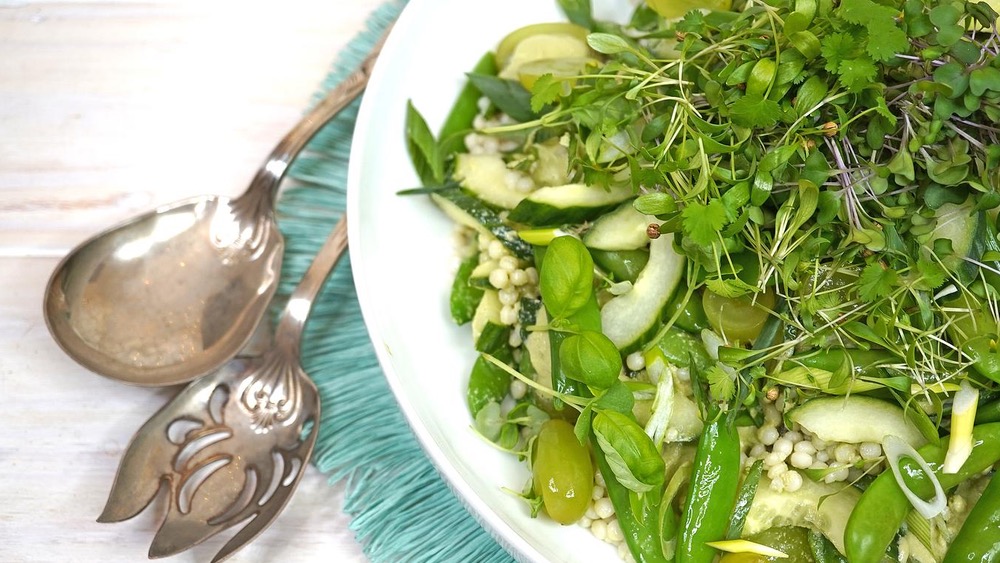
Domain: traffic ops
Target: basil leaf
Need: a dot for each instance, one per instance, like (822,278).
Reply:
(630,453)
(591,357)
(566,280)
(425,155)
(510,96)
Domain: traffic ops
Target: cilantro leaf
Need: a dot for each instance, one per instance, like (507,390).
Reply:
(885,40)
(544,91)
(863,12)
(721,385)
(932,274)
(836,48)
(876,282)
(752,110)
(857,73)
(702,222)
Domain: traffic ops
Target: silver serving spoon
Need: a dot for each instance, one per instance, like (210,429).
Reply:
(173,294)
(232,446)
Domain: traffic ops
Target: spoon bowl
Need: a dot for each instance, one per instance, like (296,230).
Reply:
(172,295)
(169,295)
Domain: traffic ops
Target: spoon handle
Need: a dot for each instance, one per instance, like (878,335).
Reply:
(264,186)
(293,319)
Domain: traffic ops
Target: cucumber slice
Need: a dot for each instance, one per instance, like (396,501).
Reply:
(485,175)
(571,203)
(560,44)
(855,419)
(820,506)
(630,318)
(468,210)
(622,229)
(552,165)
(506,47)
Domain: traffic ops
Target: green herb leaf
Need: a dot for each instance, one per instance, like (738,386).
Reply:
(608,43)
(876,281)
(702,222)
(425,154)
(591,357)
(578,12)
(755,111)
(566,280)
(508,95)
(722,385)
(630,453)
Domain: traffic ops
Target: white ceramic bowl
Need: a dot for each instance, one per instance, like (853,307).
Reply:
(403,258)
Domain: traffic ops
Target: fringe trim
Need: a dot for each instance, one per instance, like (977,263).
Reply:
(401,508)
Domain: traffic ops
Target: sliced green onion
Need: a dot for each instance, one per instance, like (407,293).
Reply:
(896,448)
(963,418)
(746,546)
(920,527)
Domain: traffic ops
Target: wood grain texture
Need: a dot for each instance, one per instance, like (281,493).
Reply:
(108,109)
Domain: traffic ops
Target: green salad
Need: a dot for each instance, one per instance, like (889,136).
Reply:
(732,274)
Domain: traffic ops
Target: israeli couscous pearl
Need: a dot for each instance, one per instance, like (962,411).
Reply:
(603,507)
(515,340)
(805,446)
(791,480)
(518,388)
(518,277)
(499,278)
(870,450)
(496,249)
(767,435)
(782,446)
(532,274)
(508,263)
(598,492)
(508,314)
(635,361)
(776,470)
(600,529)
(840,474)
(508,295)
(845,453)
(615,533)
(800,460)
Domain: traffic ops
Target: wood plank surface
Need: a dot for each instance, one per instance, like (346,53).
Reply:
(108,109)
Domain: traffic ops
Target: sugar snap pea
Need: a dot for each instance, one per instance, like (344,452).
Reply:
(637,516)
(979,538)
(882,508)
(712,492)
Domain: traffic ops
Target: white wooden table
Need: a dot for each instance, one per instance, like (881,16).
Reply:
(108,109)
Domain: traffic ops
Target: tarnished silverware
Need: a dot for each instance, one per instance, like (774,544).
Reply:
(232,446)
(173,294)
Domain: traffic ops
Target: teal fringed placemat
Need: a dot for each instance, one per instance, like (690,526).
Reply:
(401,508)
